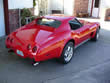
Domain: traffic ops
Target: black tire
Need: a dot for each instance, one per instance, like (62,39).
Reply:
(67,53)
(96,37)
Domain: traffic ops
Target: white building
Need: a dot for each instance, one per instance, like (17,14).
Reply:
(95,8)
(10,6)
(2,22)
(62,6)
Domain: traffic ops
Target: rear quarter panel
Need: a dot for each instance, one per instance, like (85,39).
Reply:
(53,46)
(93,28)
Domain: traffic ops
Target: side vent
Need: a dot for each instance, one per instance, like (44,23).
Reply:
(92,33)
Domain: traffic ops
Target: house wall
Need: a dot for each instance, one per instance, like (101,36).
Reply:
(2,23)
(107,13)
(89,6)
(104,6)
(49,7)
(80,6)
(66,7)
(55,5)
(13,19)
(14,6)
(43,6)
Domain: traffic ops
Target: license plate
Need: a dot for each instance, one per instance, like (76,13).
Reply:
(20,53)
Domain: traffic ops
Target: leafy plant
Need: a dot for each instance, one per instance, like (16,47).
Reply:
(25,13)
(34,3)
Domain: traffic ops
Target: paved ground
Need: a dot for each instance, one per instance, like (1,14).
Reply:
(91,64)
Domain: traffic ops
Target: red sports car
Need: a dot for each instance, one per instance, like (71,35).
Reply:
(52,36)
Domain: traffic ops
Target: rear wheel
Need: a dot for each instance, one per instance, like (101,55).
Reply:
(68,53)
(96,37)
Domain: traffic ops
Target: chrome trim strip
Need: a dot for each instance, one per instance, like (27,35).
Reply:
(82,43)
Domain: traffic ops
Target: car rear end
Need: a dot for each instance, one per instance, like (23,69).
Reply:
(21,48)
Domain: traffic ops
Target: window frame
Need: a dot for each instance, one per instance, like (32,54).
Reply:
(77,22)
(47,25)
(97,3)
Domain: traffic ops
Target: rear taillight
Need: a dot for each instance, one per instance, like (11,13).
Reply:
(29,47)
(34,49)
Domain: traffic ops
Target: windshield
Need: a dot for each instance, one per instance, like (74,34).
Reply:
(49,22)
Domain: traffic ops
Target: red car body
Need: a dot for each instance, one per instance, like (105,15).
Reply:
(48,42)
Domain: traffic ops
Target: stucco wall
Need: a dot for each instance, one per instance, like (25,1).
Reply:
(2,23)
(89,6)
(55,5)
(69,7)
(43,5)
(66,6)
(15,4)
(104,5)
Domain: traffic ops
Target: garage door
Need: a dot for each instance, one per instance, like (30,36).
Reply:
(2,24)
(68,7)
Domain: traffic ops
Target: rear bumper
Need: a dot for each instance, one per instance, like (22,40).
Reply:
(42,55)
(26,53)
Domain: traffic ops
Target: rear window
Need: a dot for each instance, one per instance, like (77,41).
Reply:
(49,22)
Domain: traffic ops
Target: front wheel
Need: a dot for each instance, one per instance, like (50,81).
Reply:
(68,53)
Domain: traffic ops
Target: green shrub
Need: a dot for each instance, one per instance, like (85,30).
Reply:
(25,13)
(34,3)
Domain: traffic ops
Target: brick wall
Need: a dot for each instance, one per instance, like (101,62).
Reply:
(14,18)
(107,14)
(81,6)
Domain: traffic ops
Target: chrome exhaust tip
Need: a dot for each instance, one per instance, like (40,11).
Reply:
(35,64)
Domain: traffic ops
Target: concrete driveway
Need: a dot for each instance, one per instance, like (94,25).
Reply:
(91,64)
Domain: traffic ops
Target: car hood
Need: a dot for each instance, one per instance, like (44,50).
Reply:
(35,33)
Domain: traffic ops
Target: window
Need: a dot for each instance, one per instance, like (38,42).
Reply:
(97,3)
(75,24)
(49,22)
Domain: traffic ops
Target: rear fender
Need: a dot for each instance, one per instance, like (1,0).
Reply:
(66,41)
(94,32)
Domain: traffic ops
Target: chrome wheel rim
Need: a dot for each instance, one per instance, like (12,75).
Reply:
(68,53)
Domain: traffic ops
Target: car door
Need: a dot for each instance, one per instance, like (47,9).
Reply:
(82,34)
(80,31)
